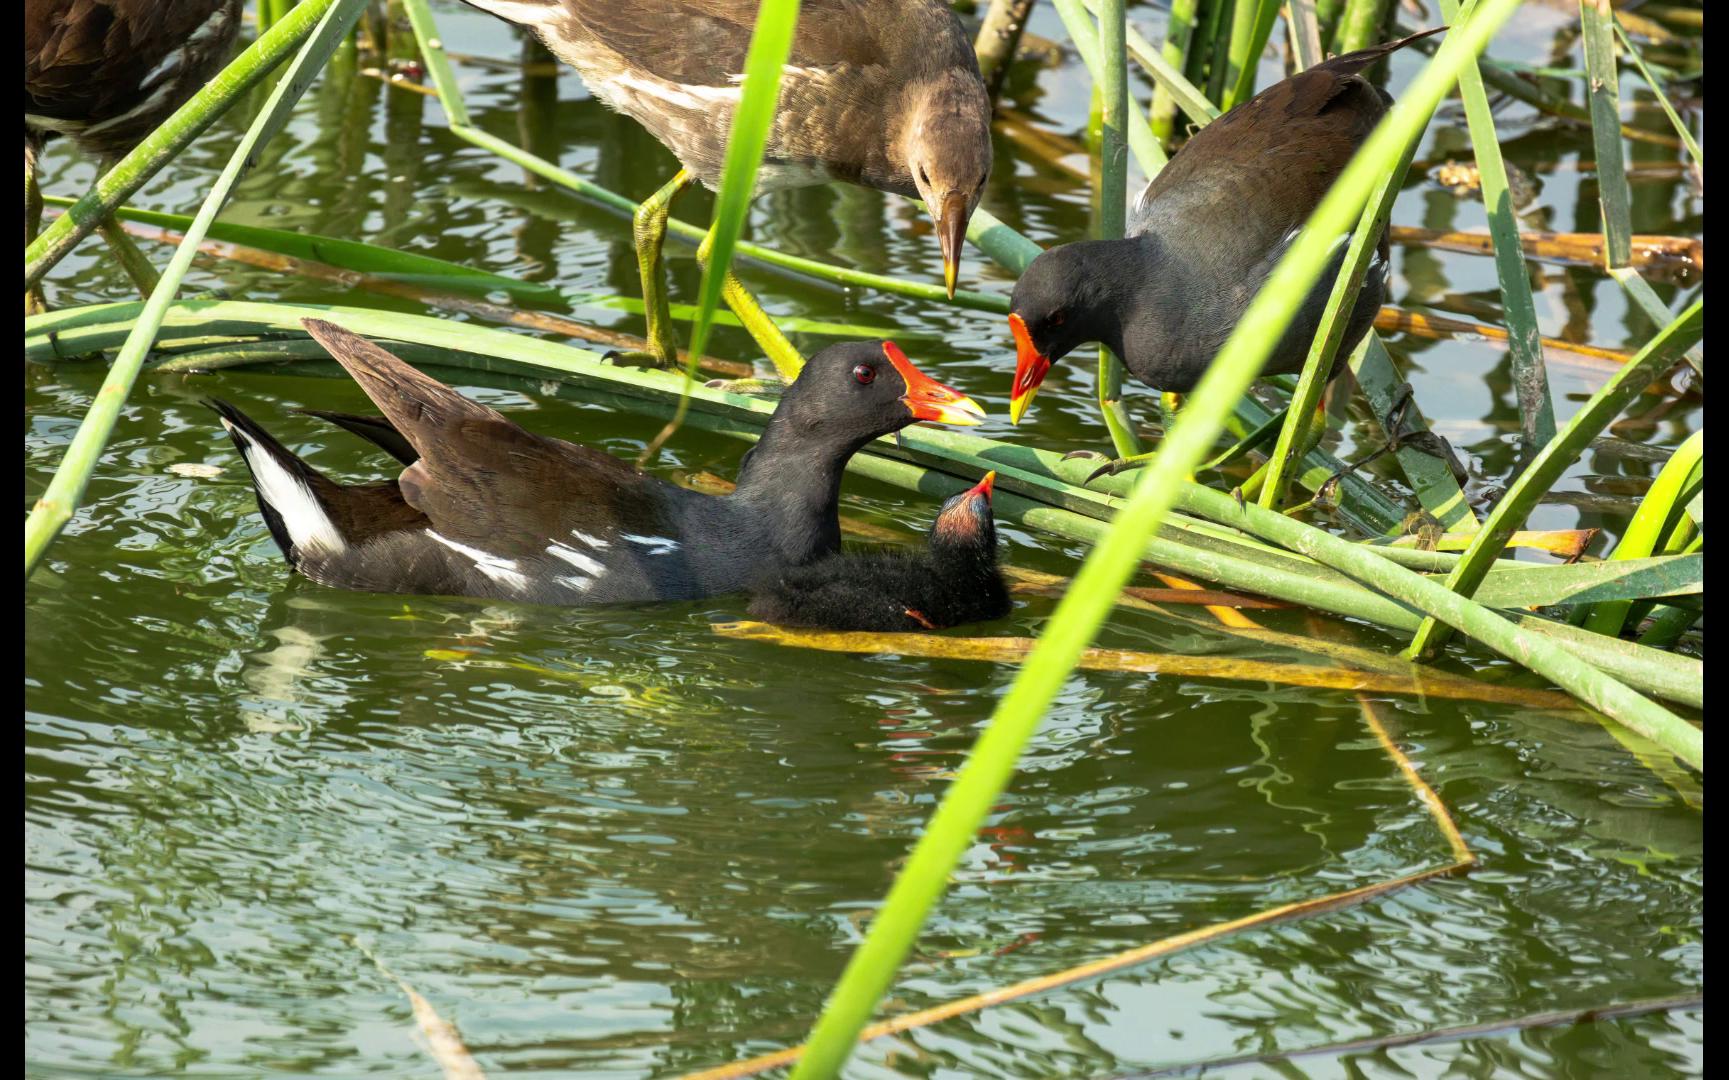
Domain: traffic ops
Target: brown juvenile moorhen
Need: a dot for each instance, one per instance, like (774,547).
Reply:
(954,580)
(885,94)
(1203,238)
(488,509)
(105,73)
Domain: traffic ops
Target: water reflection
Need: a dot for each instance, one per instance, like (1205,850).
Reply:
(609,843)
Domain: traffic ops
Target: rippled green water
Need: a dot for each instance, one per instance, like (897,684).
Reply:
(609,843)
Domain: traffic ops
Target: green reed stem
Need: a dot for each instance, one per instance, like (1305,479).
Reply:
(1361,25)
(1330,333)
(1113,86)
(66,489)
(1090,598)
(1682,131)
(1524,337)
(1659,512)
(1553,459)
(1251,26)
(1179,33)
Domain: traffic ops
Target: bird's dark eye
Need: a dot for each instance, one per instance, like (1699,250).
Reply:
(864,374)
(1056,318)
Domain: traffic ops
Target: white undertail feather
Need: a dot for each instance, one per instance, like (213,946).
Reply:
(310,529)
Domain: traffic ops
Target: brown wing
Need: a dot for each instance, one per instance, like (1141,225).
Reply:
(1244,184)
(704,42)
(1257,172)
(484,481)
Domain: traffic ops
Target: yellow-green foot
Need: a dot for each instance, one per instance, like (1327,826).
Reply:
(649,232)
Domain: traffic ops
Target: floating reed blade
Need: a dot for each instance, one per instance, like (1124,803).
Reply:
(1013,650)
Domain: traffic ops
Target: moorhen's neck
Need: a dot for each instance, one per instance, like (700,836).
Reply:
(791,478)
(1109,289)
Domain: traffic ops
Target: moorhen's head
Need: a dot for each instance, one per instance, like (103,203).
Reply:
(1063,300)
(946,141)
(865,389)
(965,526)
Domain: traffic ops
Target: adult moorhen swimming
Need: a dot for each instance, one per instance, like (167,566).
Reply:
(881,93)
(488,509)
(1204,236)
(105,73)
(954,580)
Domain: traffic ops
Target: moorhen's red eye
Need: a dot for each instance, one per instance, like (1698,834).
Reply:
(1056,318)
(864,374)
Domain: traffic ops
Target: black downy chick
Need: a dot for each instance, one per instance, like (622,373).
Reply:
(955,580)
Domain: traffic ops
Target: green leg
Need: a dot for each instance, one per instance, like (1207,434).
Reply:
(786,359)
(33,302)
(649,231)
(132,260)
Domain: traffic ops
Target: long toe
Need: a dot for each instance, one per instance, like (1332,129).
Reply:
(638,358)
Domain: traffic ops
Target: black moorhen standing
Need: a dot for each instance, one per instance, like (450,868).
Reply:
(954,580)
(105,73)
(885,94)
(1204,236)
(488,509)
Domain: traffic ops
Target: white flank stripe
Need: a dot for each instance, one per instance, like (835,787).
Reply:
(157,97)
(577,559)
(499,569)
(572,581)
(594,542)
(310,529)
(656,545)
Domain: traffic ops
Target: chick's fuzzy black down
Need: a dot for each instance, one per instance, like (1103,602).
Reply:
(883,591)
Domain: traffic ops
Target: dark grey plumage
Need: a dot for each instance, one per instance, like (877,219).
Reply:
(1204,236)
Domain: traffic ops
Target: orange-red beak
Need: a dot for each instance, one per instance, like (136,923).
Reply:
(982,489)
(1030,369)
(928,399)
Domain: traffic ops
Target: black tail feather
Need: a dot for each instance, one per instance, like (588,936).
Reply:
(374,429)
